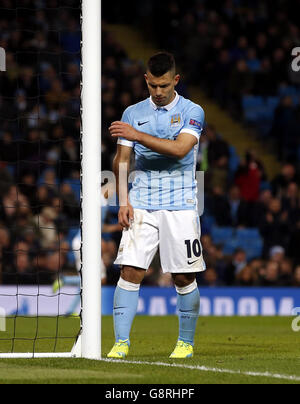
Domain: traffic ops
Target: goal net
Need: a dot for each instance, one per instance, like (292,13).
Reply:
(50,249)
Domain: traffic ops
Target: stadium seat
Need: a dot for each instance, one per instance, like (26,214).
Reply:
(266,113)
(252,101)
(265,186)
(11,169)
(207,223)
(287,91)
(273,102)
(248,239)
(230,246)
(296,99)
(251,115)
(248,234)
(252,106)
(221,234)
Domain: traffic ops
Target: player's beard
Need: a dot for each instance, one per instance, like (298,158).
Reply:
(160,102)
(163,100)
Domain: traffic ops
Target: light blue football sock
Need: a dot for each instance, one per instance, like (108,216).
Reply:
(188,307)
(125,308)
(75,304)
(71,280)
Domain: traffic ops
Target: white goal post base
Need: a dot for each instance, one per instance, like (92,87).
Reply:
(36,355)
(75,353)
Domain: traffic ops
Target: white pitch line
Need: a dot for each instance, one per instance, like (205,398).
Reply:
(208,369)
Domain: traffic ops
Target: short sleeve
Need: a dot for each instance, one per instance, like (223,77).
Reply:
(126,118)
(194,121)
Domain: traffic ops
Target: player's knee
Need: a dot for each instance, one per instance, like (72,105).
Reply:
(132,275)
(129,286)
(185,290)
(184,280)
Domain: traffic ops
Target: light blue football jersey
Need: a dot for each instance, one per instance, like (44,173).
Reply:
(160,182)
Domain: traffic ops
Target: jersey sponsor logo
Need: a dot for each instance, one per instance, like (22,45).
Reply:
(176,120)
(198,124)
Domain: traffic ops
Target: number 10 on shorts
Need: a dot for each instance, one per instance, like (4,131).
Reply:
(193,248)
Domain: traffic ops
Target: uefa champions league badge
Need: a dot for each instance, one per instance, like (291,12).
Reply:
(195,123)
(176,120)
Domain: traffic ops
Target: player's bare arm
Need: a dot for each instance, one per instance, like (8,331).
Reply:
(121,166)
(178,148)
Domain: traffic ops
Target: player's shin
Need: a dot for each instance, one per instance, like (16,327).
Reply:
(188,305)
(125,307)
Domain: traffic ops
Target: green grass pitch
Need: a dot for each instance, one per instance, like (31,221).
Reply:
(247,350)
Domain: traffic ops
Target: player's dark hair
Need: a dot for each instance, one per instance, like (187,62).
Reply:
(161,63)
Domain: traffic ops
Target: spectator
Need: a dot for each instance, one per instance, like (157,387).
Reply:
(69,157)
(264,82)
(210,278)
(281,181)
(296,277)
(291,202)
(282,117)
(20,271)
(247,277)
(286,273)
(294,243)
(274,226)
(241,82)
(253,62)
(5,255)
(270,276)
(291,139)
(217,148)
(277,253)
(46,224)
(231,210)
(248,178)
(237,264)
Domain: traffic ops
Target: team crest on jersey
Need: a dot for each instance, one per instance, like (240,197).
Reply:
(176,120)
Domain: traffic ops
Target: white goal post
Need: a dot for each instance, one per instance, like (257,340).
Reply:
(89,342)
(91,179)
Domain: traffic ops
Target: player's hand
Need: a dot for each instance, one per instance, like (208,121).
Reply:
(126,216)
(124,130)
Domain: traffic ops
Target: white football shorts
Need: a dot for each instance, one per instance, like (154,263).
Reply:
(176,234)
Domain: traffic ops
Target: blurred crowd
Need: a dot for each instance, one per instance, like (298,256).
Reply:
(40,133)
(39,139)
(231,48)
